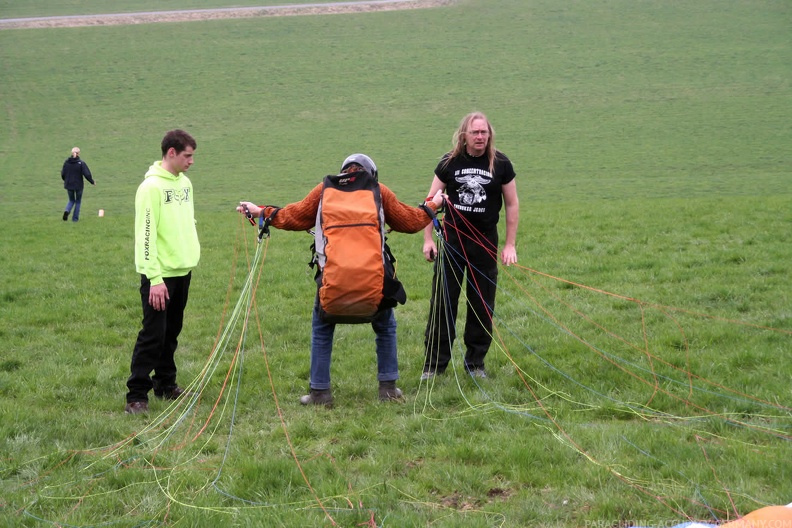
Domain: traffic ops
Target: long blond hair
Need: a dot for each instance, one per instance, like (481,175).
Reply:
(458,139)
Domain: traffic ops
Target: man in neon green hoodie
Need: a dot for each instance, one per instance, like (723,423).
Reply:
(166,251)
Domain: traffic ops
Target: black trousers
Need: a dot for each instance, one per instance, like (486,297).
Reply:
(474,264)
(157,340)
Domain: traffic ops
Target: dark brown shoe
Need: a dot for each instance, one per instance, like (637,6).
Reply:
(172,394)
(389,392)
(137,407)
(318,397)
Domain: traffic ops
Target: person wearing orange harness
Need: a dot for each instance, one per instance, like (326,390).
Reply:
(301,216)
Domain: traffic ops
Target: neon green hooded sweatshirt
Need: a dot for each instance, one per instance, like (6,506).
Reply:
(166,241)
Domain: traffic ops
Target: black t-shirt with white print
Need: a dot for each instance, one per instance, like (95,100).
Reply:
(472,190)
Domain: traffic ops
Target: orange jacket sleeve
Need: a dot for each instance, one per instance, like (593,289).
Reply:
(402,217)
(297,216)
(301,216)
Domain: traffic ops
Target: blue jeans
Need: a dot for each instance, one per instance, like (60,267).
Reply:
(75,199)
(322,348)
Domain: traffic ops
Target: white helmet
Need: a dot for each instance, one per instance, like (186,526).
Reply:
(362,160)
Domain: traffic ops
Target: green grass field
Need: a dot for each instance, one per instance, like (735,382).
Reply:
(641,369)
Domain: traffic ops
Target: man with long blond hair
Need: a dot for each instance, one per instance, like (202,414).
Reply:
(479,181)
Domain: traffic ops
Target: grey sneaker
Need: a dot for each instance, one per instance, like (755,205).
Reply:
(318,397)
(427,374)
(478,372)
(389,392)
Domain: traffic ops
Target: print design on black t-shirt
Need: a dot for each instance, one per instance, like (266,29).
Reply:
(472,191)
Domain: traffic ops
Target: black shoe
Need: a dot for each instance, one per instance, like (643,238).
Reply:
(136,407)
(65,215)
(172,394)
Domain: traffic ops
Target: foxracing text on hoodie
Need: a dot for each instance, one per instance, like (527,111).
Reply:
(166,240)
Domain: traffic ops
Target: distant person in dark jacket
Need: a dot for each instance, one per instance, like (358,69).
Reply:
(73,171)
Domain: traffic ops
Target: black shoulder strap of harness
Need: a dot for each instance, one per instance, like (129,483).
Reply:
(433,218)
